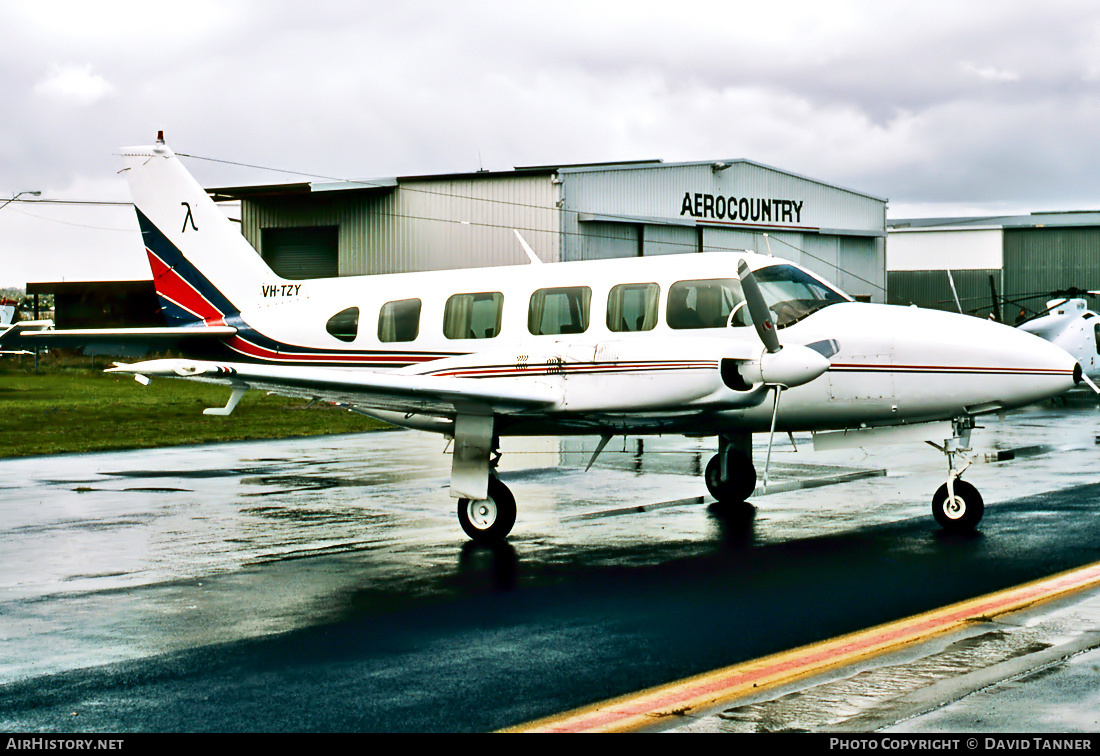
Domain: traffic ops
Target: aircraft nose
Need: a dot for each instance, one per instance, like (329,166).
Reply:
(973,362)
(1054,370)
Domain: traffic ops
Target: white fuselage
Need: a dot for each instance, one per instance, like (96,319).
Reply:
(894,365)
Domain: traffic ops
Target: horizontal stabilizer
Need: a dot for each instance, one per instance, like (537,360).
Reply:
(119,334)
(128,341)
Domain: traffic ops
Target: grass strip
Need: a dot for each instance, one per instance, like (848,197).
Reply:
(77,408)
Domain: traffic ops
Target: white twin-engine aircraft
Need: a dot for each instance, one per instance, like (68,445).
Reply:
(696,344)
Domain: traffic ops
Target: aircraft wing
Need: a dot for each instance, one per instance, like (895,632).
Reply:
(360,388)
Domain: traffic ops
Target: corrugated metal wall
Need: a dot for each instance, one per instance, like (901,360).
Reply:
(424,225)
(932,289)
(1042,260)
(455,222)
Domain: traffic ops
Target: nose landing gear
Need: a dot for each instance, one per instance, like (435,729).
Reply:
(957,505)
(958,510)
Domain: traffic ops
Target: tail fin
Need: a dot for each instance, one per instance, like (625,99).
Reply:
(203,268)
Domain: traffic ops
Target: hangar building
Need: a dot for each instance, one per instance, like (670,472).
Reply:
(578,212)
(1026,258)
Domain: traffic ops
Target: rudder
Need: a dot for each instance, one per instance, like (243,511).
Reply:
(203,268)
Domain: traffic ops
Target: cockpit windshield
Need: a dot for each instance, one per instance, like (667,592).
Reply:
(791,295)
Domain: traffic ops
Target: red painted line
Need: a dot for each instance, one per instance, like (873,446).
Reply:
(853,367)
(726,685)
(247,348)
(540,369)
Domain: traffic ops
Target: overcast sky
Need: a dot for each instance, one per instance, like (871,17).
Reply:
(941,107)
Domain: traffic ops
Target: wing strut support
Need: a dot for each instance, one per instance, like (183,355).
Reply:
(603,442)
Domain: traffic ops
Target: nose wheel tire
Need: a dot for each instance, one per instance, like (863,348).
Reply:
(488,520)
(739,481)
(961,513)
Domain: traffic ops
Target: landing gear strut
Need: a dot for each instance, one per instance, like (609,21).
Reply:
(957,505)
(730,474)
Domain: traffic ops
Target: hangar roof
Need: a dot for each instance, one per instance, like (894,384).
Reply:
(388,184)
(1055,219)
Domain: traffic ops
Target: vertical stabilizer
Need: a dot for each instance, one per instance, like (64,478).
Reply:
(203,268)
(7,311)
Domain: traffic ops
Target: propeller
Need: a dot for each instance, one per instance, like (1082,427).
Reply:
(780,367)
(758,309)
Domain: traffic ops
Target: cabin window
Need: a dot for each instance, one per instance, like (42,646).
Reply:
(399,320)
(632,307)
(1096,331)
(559,311)
(473,316)
(705,304)
(344,325)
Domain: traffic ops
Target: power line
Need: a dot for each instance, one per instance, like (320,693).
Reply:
(687,246)
(71,202)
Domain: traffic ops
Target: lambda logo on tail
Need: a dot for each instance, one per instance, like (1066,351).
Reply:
(188,217)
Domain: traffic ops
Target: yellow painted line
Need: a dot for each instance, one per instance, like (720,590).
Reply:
(723,686)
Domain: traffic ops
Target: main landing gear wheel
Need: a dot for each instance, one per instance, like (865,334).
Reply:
(489,520)
(739,481)
(963,512)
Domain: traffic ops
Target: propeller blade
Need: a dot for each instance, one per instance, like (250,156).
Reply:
(1089,383)
(758,308)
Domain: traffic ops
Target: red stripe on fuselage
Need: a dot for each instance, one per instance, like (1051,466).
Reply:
(396,359)
(982,369)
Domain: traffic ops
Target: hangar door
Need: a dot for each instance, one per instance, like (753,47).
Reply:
(303,252)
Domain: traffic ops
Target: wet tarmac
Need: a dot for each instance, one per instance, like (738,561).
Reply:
(133,581)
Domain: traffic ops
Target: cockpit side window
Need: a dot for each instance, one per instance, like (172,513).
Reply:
(704,304)
(344,325)
(399,320)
